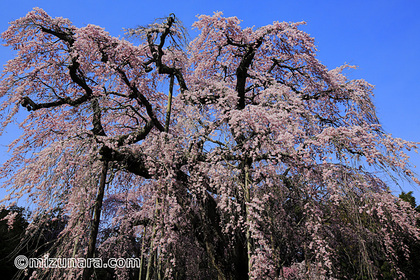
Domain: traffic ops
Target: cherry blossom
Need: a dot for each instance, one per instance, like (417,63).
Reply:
(237,156)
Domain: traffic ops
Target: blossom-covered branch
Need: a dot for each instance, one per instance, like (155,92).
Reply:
(237,156)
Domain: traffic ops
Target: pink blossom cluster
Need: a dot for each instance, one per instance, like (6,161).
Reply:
(257,162)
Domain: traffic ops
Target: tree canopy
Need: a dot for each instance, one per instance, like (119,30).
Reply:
(236,156)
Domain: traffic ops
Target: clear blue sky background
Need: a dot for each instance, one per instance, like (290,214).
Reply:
(381,37)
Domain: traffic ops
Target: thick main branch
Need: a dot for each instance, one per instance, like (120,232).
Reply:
(242,72)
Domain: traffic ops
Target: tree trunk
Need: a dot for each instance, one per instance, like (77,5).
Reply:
(247,200)
(96,219)
(169,106)
(152,252)
(141,253)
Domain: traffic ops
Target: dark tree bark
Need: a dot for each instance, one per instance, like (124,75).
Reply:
(97,208)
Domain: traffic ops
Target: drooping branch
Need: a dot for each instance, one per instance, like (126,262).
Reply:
(135,136)
(76,77)
(135,93)
(157,53)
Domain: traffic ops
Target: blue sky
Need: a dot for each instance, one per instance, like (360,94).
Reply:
(381,37)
